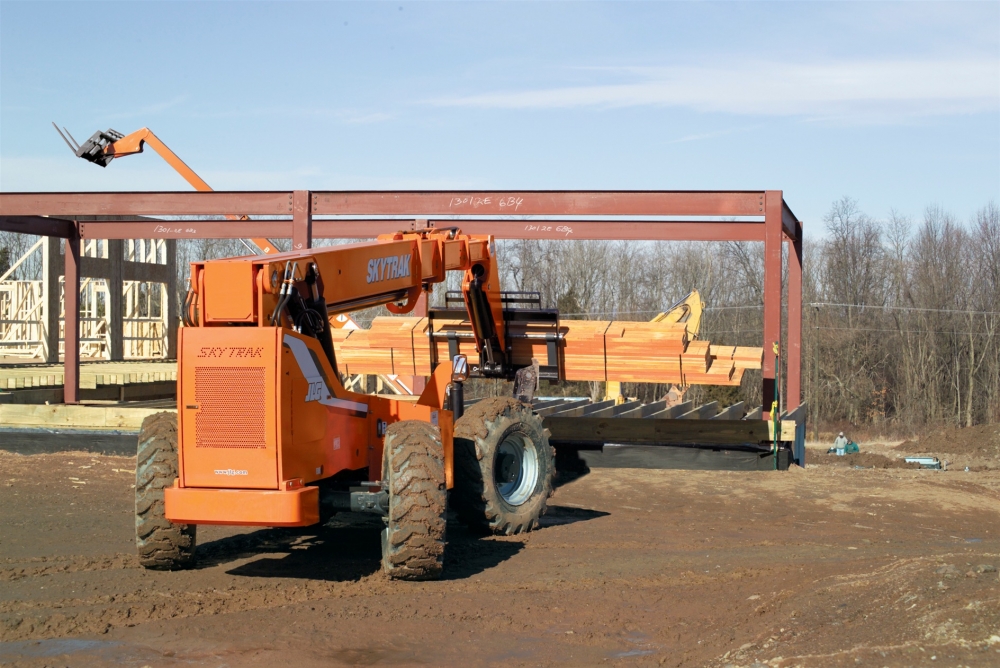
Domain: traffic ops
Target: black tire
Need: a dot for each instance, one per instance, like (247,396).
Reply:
(413,540)
(504,467)
(162,545)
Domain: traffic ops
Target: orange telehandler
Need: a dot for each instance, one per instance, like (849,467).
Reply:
(265,433)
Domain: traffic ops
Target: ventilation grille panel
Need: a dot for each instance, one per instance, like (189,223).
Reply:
(231,407)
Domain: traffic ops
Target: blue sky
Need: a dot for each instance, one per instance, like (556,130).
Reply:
(895,104)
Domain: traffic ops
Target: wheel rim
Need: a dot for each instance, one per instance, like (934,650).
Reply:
(515,469)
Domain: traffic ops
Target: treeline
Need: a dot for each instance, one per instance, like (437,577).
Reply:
(901,318)
(906,320)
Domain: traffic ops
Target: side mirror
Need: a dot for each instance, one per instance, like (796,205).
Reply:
(459,369)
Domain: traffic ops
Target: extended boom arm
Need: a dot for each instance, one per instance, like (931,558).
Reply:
(103,147)
(301,290)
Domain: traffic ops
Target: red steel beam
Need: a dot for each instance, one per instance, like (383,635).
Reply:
(794,347)
(47,227)
(612,229)
(71,336)
(790,222)
(146,204)
(185,229)
(772,292)
(302,223)
(540,203)
(674,230)
(778,221)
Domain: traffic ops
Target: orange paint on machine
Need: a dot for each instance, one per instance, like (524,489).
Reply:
(267,434)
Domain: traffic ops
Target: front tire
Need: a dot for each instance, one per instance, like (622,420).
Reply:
(504,466)
(162,545)
(413,540)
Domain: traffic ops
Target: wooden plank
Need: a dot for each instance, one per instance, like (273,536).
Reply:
(787,430)
(76,416)
(583,431)
(754,414)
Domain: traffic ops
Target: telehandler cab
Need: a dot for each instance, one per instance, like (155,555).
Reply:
(266,435)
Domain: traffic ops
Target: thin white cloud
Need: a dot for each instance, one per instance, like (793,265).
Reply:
(341,115)
(866,89)
(709,135)
(154,108)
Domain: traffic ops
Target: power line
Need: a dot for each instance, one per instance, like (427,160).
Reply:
(707,308)
(905,331)
(905,308)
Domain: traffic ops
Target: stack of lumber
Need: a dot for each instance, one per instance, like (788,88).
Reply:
(596,350)
(371,350)
(583,351)
(639,352)
(92,374)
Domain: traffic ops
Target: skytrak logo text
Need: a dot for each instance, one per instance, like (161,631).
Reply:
(388,268)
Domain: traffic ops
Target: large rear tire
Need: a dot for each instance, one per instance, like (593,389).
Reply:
(162,545)
(413,540)
(504,467)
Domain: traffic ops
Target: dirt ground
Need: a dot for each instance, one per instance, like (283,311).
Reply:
(827,566)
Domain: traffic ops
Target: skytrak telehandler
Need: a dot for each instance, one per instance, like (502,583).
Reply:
(266,435)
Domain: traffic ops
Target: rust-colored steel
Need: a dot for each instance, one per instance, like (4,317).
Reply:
(47,227)
(71,336)
(302,223)
(146,204)
(540,203)
(185,229)
(772,291)
(794,347)
(631,230)
(424,204)
(294,216)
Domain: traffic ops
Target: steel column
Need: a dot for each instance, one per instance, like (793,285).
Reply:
(793,396)
(420,311)
(116,319)
(71,320)
(173,298)
(772,292)
(301,220)
(51,271)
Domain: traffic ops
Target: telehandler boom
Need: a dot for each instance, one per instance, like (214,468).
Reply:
(266,434)
(103,147)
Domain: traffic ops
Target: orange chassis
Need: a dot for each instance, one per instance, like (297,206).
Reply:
(262,415)
(255,468)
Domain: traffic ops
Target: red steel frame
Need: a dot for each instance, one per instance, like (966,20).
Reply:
(305,215)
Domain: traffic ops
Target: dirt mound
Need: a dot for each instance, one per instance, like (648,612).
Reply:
(868,460)
(979,441)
